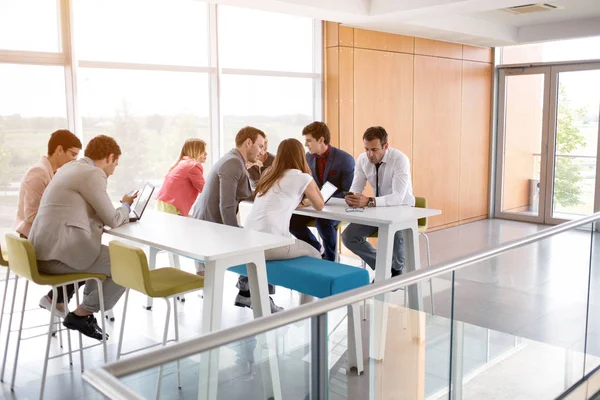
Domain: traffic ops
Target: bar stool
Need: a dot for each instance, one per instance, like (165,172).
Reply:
(4,263)
(129,269)
(23,263)
(173,260)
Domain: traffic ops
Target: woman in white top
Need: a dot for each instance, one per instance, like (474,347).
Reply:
(279,192)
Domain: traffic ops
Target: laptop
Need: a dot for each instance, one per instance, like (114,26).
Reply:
(327,191)
(142,201)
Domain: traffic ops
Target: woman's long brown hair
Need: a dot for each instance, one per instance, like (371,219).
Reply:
(192,148)
(290,155)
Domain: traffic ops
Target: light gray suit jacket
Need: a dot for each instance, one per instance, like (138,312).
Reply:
(226,186)
(72,214)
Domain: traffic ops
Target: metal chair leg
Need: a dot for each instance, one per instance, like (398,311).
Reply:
(48,340)
(101,298)
(4,296)
(176,322)
(174,260)
(4,302)
(151,266)
(120,345)
(164,342)
(64,288)
(80,337)
(12,309)
(14,373)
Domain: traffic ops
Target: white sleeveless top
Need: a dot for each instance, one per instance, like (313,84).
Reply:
(271,212)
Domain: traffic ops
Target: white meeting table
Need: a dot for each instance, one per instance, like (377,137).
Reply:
(219,247)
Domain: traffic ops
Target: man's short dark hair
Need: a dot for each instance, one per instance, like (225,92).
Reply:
(376,132)
(101,147)
(318,130)
(64,138)
(248,132)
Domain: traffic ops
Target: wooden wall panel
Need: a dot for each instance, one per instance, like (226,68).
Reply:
(330,33)
(475,139)
(383,92)
(437,128)
(366,39)
(346,36)
(436,108)
(438,49)
(332,86)
(481,54)
(346,93)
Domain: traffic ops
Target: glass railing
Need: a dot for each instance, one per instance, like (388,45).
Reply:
(501,330)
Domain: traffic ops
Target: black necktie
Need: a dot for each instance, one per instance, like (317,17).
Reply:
(377,179)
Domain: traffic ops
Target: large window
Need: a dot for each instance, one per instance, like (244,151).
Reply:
(280,107)
(150,73)
(29,25)
(142,31)
(32,103)
(149,113)
(271,74)
(265,41)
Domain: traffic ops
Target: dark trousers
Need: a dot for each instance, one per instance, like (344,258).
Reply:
(70,287)
(325,227)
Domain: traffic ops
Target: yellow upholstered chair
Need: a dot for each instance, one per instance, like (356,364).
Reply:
(129,268)
(23,263)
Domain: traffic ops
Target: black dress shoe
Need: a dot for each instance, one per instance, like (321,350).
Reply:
(86,325)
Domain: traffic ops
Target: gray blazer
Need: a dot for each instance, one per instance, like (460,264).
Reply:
(72,214)
(226,186)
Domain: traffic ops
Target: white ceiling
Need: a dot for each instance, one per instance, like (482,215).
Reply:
(476,22)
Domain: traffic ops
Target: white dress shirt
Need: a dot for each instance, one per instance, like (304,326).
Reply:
(395,185)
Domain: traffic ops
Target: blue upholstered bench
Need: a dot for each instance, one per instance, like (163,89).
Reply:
(321,278)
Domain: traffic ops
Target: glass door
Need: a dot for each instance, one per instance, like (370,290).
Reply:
(522,144)
(574,112)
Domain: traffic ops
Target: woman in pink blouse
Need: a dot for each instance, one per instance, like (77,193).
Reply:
(185,179)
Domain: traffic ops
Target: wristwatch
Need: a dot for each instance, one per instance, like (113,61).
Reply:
(371,202)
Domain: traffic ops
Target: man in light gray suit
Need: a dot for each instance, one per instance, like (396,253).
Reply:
(67,230)
(227,185)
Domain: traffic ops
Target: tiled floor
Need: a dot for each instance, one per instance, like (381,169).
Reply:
(524,306)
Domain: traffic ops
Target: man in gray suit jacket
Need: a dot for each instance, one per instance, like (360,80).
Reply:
(227,185)
(67,230)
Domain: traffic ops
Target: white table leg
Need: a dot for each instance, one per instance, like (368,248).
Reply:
(355,353)
(151,265)
(412,263)
(259,290)
(385,248)
(211,321)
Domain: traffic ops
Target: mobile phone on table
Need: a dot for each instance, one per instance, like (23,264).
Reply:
(348,194)
(133,192)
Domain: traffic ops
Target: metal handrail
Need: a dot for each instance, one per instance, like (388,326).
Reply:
(257,326)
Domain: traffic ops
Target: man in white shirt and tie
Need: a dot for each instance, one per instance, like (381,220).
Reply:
(388,173)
